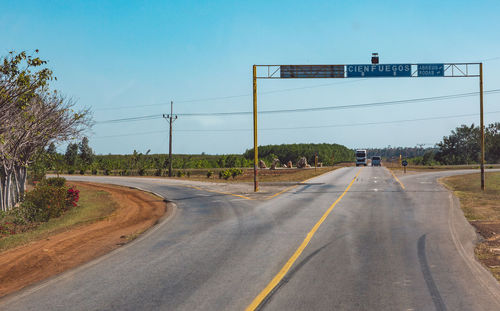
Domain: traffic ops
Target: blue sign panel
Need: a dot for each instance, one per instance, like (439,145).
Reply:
(430,70)
(379,70)
(312,71)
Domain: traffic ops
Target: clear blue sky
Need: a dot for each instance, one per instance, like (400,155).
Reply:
(114,55)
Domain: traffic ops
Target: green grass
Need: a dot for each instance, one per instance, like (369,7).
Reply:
(94,205)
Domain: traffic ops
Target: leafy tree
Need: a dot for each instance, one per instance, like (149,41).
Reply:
(86,153)
(492,143)
(461,147)
(428,157)
(71,154)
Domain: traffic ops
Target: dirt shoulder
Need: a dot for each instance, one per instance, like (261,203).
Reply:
(135,212)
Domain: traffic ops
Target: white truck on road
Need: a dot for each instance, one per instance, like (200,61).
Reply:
(361,157)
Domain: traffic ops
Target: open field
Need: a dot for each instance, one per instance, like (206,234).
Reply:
(482,209)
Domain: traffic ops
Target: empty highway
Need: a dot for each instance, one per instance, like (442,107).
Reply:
(352,239)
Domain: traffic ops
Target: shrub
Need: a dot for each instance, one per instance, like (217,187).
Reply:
(231,172)
(54,181)
(45,201)
(107,172)
(235,172)
(158,172)
(180,173)
(188,173)
(226,174)
(72,197)
(209,174)
(71,171)
(82,172)
(50,198)
(94,171)
(7,228)
(37,174)
(141,171)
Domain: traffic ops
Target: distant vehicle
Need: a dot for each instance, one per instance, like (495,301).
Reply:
(376,161)
(361,157)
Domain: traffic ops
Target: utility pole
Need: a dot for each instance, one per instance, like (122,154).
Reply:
(171,118)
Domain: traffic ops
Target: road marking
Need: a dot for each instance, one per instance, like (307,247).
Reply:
(220,192)
(281,192)
(275,281)
(245,197)
(294,186)
(397,179)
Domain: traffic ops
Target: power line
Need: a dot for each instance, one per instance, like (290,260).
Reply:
(309,127)
(249,94)
(491,59)
(235,96)
(141,118)
(385,103)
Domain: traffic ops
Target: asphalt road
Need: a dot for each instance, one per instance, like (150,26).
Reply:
(382,247)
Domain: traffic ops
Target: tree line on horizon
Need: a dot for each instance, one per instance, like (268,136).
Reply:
(460,147)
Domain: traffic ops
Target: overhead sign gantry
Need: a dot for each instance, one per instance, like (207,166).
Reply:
(374,70)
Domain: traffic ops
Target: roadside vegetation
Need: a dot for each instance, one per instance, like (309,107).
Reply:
(50,207)
(246,175)
(482,210)
(80,159)
(31,116)
(461,147)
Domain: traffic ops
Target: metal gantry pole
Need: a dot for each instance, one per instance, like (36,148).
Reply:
(255,148)
(481,122)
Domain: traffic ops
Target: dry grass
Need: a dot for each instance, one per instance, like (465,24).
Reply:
(482,209)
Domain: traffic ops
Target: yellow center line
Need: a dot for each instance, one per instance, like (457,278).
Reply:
(282,191)
(397,179)
(275,281)
(220,192)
